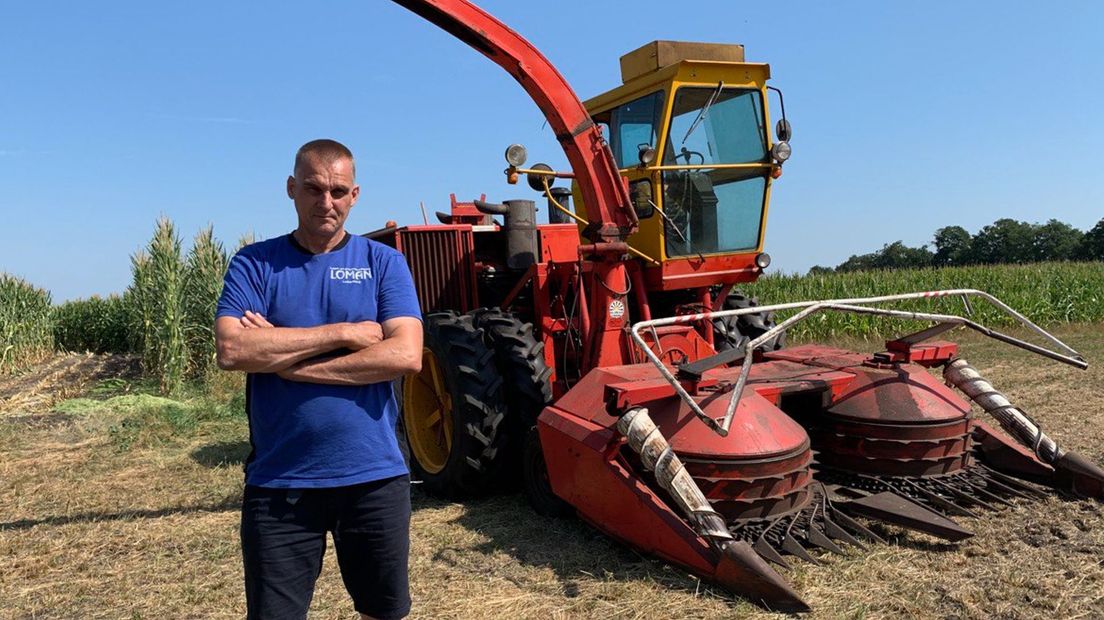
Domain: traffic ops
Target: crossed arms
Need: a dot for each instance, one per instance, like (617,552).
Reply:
(377,352)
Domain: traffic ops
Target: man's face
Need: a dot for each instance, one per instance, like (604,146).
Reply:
(324,192)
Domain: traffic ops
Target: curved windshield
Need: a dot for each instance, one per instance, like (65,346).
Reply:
(716,126)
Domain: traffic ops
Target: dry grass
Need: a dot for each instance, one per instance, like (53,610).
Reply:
(89,531)
(65,375)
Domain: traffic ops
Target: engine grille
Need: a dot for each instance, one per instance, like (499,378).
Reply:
(442,264)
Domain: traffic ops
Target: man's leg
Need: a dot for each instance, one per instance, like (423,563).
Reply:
(283,537)
(373,546)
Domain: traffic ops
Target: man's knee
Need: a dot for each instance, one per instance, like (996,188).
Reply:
(282,548)
(373,548)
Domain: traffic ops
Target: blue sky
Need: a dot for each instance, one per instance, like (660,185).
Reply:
(907,116)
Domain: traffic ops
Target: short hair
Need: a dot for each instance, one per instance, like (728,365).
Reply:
(326,149)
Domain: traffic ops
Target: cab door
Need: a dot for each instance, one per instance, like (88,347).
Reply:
(633,126)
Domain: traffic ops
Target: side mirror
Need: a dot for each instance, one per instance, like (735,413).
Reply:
(783,130)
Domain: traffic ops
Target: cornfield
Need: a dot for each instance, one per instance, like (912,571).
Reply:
(1046,293)
(96,324)
(25,334)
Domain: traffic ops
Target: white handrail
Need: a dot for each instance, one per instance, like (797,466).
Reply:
(858,305)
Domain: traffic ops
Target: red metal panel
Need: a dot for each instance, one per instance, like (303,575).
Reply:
(892,419)
(760,430)
(693,272)
(763,469)
(927,354)
(676,344)
(442,264)
(586,473)
(1007,455)
(559,243)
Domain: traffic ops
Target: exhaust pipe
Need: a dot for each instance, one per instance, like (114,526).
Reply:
(1073,471)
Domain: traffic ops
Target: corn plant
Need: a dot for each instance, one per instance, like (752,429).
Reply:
(25,333)
(203,273)
(136,302)
(96,324)
(244,240)
(157,299)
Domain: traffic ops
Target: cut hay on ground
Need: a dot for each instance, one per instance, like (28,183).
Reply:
(90,530)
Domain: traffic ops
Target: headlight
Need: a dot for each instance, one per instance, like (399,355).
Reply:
(762,261)
(516,155)
(781,151)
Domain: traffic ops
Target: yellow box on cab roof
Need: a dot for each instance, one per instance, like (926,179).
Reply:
(659,54)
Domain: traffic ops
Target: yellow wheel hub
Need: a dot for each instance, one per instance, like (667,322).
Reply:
(427,415)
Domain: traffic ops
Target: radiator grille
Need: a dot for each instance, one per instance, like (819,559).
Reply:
(442,265)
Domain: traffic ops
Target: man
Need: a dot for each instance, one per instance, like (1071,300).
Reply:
(322,321)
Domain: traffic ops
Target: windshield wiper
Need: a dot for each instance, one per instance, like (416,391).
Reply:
(703,112)
(674,228)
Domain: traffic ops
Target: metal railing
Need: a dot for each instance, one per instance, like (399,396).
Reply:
(861,305)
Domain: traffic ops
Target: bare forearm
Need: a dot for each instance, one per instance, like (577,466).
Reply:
(277,348)
(383,361)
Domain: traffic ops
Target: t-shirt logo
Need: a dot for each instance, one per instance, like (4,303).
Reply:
(351,275)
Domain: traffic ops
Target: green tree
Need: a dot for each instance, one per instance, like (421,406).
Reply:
(897,255)
(1092,244)
(859,262)
(952,246)
(894,255)
(1004,241)
(1057,241)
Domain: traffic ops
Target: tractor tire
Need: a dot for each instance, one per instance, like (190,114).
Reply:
(535,483)
(453,409)
(519,358)
(735,331)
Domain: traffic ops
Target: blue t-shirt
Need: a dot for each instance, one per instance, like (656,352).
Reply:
(309,435)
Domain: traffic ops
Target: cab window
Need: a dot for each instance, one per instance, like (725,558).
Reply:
(633,124)
(716,126)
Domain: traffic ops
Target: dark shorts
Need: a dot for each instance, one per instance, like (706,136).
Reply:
(283,536)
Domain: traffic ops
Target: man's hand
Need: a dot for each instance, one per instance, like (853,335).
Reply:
(253,344)
(363,334)
(356,336)
(398,354)
(252,320)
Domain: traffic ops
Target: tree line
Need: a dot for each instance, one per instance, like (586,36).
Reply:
(1002,242)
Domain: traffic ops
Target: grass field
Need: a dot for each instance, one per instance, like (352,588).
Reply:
(117,504)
